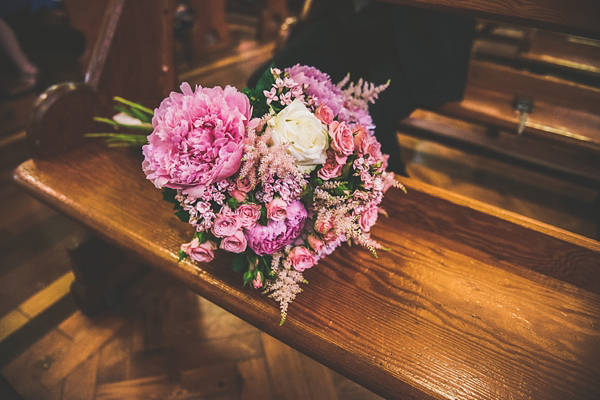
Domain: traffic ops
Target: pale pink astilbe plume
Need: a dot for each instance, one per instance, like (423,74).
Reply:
(286,285)
(357,97)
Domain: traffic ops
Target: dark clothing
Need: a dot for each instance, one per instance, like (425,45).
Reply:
(424,54)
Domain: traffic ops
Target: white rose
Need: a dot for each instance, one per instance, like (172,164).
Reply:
(307,136)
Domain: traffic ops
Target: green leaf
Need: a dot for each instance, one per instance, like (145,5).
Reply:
(265,82)
(133,105)
(202,236)
(308,193)
(239,263)
(263,216)
(232,203)
(182,255)
(169,195)
(247,277)
(183,215)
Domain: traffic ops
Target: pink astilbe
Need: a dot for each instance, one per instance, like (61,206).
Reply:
(357,97)
(286,285)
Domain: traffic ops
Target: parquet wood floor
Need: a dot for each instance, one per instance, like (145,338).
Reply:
(164,342)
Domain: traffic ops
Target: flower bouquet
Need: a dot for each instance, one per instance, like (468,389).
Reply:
(280,174)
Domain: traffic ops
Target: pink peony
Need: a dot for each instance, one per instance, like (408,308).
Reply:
(324,114)
(198,138)
(248,214)
(226,224)
(276,235)
(302,258)
(276,209)
(342,138)
(319,86)
(368,218)
(235,243)
(199,252)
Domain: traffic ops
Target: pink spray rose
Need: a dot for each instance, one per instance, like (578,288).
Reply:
(302,258)
(343,140)
(314,243)
(235,243)
(372,147)
(368,218)
(248,214)
(323,226)
(331,169)
(238,195)
(199,252)
(276,209)
(324,114)
(360,133)
(276,235)
(226,224)
(198,138)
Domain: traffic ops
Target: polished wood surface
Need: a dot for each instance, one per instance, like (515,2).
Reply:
(579,17)
(471,301)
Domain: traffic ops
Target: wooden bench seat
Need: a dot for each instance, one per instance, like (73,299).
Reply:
(470,302)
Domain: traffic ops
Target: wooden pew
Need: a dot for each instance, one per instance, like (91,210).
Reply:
(471,301)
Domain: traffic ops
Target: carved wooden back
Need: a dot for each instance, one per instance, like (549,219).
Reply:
(132,58)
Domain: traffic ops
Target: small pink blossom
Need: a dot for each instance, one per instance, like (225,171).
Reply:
(276,209)
(315,243)
(226,225)
(235,243)
(324,114)
(271,95)
(199,252)
(301,258)
(248,214)
(368,218)
(343,140)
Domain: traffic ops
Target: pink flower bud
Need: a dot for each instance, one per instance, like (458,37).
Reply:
(257,282)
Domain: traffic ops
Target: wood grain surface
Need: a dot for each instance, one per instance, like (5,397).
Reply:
(579,17)
(471,302)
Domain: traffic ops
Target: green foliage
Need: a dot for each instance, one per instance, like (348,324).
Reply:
(258,101)
(239,262)
(232,203)
(263,216)
(169,195)
(182,255)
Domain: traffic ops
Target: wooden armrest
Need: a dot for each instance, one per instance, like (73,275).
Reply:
(471,301)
